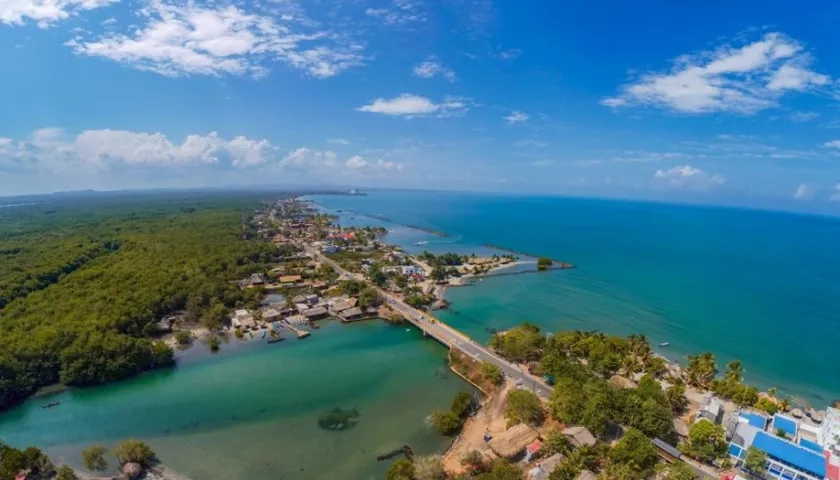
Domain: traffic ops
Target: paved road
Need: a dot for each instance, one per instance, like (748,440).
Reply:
(446,334)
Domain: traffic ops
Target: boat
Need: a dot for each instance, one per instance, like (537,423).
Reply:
(54,403)
(407,329)
(263,335)
(275,340)
(664,344)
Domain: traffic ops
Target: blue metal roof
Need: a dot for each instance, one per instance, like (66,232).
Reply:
(755,419)
(790,453)
(811,445)
(787,424)
(735,450)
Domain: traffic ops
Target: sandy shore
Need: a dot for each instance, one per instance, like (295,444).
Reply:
(490,418)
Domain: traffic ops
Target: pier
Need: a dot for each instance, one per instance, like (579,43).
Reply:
(300,332)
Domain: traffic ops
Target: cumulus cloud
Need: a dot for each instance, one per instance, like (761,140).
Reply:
(516,117)
(801,117)
(832,144)
(45,13)
(416,106)
(307,158)
(688,177)
(731,79)
(804,191)
(431,68)
(356,162)
(339,141)
(54,149)
(194,39)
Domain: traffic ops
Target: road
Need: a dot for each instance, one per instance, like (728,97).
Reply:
(446,334)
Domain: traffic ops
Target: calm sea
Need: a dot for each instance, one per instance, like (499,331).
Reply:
(762,287)
(252,410)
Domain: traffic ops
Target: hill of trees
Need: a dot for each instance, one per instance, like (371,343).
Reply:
(83,282)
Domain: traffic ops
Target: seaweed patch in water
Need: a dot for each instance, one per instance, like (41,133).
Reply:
(338,419)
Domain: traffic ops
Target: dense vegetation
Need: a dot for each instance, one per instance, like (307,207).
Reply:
(13,461)
(85,280)
(449,422)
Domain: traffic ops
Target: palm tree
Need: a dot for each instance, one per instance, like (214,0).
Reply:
(630,366)
(772,392)
(784,405)
(675,394)
(734,371)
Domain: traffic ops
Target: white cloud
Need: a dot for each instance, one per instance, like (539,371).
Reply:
(191,39)
(306,158)
(431,68)
(416,106)
(510,53)
(356,162)
(52,147)
(399,12)
(339,141)
(45,12)
(804,191)
(832,144)
(516,117)
(688,177)
(801,117)
(835,197)
(531,143)
(740,80)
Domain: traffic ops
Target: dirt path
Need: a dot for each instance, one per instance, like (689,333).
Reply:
(490,418)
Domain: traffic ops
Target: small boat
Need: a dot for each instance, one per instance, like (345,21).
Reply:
(275,340)
(407,329)
(54,403)
(263,335)
(664,344)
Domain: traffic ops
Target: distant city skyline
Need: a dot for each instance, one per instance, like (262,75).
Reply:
(726,105)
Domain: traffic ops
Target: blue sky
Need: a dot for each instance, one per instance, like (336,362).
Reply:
(733,103)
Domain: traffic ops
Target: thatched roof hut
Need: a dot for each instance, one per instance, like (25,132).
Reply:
(585,475)
(797,413)
(580,436)
(513,441)
(622,382)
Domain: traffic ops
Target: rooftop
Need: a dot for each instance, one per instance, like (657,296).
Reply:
(790,453)
(757,420)
(669,449)
(787,424)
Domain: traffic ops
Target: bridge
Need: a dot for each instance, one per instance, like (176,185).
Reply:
(445,334)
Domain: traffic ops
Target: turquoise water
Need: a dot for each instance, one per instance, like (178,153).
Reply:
(763,287)
(251,411)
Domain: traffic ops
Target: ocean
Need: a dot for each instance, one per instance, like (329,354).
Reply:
(762,287)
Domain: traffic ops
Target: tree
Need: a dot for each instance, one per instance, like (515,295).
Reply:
(461,404)
(556,442)
(634,450)
(377,276)
(567,400)
(772,392)
(183,337)
(705,441)
(502,470)
(674,471)
(94,458)
(784,404)
(755,461)
(402,469)
(767,405)
(438,273)
(492,373)
(701,369)
(521,344)
(544,262)
(656,419)
(428,468)
(134,451)
(734,372)
(656,366)
(523,406)
(675,395)
(215,316)
(446,422)
(369,298)
(66,473)
(630,365)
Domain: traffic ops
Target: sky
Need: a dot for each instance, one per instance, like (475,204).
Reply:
(720,102)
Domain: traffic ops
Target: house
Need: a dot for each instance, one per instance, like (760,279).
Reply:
(586,475)
(315,313)
(666,451)
(297,319)
(255,280)
(301,307)
(785,424)
(289,280)
(513,441)
(712,410)
(785,459)
(580,436)
(340,306)
(351,314)
(411,270)
(544,467)
(270,314)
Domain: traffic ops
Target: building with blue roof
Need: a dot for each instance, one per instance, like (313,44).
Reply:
(785,424)
(756,420)
(785,460)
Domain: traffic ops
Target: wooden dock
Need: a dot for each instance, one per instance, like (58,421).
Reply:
(300,333)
